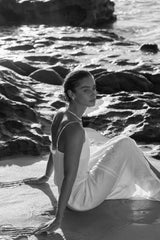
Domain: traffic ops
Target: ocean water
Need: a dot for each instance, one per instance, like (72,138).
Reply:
(137,23)
(138,20)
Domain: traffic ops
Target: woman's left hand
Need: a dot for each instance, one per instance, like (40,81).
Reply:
(48,227)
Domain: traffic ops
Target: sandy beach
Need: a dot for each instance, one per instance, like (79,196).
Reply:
(24,207)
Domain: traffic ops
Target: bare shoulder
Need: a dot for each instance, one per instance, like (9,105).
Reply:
(58,116)
(57,120)
(74,132)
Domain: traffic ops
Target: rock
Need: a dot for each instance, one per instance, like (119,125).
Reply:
(58,104)
(48,76)
(27,107)
(122,81)
(61,70)
(155,80)
(16,121)
(134,114)
(22,145)
(21,47)
(20,124)
(98,72)
(64,12)
(13,126)
(12,109)
(14,88)
(11,65)
(153,48)
(10,12)
(107,83)
(42,58)
(26,67)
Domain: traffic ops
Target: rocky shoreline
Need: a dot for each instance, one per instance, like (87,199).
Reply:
(64,12)
(129,104)
(34,62)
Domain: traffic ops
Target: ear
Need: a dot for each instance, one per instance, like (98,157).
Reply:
(71,94)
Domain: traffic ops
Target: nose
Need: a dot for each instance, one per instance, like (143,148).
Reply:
(94,93)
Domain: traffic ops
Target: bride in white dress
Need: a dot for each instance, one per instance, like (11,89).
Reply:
(116,169)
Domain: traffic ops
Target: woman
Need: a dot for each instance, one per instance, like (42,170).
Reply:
(118,169)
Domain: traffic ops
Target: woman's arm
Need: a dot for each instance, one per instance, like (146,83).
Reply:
(49,168)
(72,150)
(45,177)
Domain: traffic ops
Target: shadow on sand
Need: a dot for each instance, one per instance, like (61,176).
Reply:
(103,221)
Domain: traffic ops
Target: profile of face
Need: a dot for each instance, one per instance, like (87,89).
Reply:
(85,92)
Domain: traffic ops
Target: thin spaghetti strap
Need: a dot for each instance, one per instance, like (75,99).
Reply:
(62,129)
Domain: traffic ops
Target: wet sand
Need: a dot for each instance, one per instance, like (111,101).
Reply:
(24,207)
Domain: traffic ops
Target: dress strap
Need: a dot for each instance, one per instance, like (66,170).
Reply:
(62,129)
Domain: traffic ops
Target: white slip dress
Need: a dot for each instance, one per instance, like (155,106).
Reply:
(118,169)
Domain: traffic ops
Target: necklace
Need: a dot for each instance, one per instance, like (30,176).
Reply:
(75,115)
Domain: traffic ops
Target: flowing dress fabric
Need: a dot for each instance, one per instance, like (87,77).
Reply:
(117,169)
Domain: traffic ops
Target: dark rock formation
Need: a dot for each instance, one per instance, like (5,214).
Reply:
(128,105)
(64,12)
(20,126)
(152,48)
(133,114)
(47,76)
(61,70)
(155,80)
(18,67)
(11,65)
(122,81)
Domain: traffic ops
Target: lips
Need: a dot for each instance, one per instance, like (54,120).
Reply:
(93,100)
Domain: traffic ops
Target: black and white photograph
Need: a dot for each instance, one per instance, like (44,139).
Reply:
(79,119)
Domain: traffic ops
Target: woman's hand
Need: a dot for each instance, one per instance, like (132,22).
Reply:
(48,227)
(37,181)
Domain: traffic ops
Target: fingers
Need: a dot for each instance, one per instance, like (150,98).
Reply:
(40,230)
(47,228)
(43,228)
(31,181)
(35,180)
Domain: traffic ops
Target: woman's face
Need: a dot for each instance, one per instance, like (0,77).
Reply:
(85,92)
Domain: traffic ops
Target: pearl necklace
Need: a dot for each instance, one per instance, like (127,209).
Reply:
(75,115)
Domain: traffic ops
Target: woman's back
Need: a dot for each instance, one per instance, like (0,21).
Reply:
(61,120)
(60,127)
(56,124)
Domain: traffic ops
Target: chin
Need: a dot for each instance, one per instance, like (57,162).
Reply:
(92,104)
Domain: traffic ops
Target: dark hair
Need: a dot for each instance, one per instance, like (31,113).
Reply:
(72,81)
